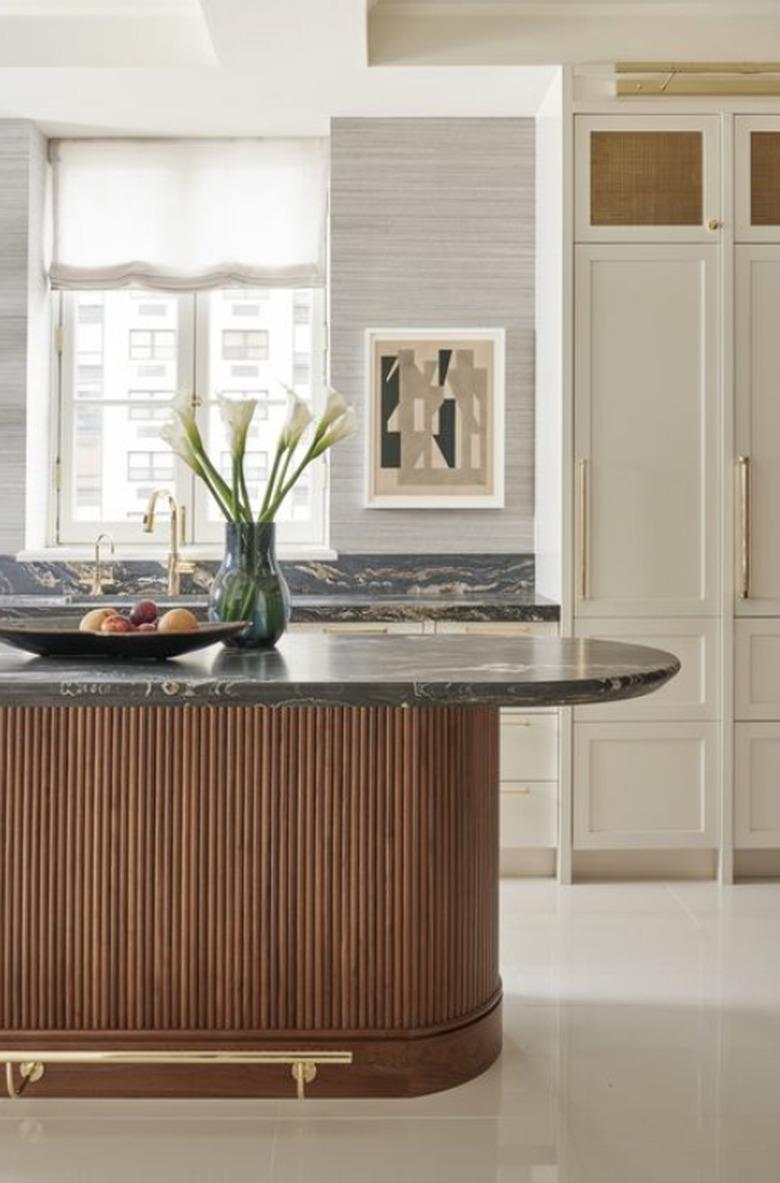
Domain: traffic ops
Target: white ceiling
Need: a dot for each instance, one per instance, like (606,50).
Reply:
(223,67)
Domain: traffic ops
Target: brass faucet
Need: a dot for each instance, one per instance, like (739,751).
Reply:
(99,580)
(176,565)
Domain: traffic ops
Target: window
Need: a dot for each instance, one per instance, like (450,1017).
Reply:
(118,377)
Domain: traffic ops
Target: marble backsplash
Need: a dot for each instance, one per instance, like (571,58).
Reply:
(366,574)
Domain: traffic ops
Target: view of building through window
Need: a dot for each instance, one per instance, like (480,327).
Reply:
(126,354)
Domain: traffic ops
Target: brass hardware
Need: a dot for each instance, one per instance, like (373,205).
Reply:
(681,86)
(303,1073)
(697,67)
(520,791)
(714,224)
(303,1064)
(100,581)
(584,527)
(29,1070)
(745,540)
(176,565)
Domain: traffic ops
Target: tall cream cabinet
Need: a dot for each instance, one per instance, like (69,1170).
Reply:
(757,447)
(647,539)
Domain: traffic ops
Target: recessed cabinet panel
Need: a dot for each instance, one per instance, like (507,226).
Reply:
(529,746)
(647,178)
(694,693)
(644,785)
(529,815)
(758,428)
(647,412)
(757,669)
(757,177)
(757,784)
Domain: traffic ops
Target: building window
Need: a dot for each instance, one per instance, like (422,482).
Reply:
(245,344)
(149,344)
(118,378)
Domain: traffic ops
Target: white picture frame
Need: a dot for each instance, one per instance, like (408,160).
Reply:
(381,489)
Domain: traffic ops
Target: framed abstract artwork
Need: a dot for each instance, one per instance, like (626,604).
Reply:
(435,422)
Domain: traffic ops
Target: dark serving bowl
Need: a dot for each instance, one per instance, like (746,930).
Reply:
(63,639)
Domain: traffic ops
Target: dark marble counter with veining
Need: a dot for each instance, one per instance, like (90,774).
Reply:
(327,608)
(327,669)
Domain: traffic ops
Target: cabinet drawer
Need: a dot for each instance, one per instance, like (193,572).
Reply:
(529,746)
(757,784)
(645,785)
(529,815)
(364,627)
(500,628)
(694,693)
(757,669)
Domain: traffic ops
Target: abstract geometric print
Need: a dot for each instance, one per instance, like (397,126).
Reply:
(433,418)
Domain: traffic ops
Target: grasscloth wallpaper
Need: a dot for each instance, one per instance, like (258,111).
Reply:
(432,226)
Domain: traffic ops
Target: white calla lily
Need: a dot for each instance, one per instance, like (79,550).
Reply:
(340,429)
(175,436)
(335,407)
(298,419)
(237,415)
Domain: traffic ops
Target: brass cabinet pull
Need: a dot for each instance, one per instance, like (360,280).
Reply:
(714,224)
(584,527)
(745,540)
(31,1064)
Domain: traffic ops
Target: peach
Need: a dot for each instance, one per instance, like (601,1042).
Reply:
(92,621)
(178,620)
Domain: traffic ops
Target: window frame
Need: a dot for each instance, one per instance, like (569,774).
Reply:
(194,373)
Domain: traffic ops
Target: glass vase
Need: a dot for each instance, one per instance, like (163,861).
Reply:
(250,586)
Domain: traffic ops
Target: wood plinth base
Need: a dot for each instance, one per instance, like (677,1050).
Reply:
(250,878)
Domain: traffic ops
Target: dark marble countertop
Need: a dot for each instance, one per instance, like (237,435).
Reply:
(328,669)
(330,607)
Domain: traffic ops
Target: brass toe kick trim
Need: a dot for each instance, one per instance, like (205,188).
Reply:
(32,1065)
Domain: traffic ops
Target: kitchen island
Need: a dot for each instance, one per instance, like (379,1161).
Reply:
(228,869)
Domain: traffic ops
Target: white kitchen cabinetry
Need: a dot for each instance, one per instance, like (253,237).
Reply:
(693,694)
(757,178)
(757,301)
(647,399)
(647,178)
(645,785)
(757,819)
(757,669)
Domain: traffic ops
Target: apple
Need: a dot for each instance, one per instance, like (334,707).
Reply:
(144,612)
(178,620)
(117,624)
(149,626)
(93,621)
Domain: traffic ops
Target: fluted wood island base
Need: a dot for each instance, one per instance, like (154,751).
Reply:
(217,864)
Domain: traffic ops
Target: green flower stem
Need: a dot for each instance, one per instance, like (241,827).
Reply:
(245,494)
(271,480)
(284,489)
(239,513)
(200,471)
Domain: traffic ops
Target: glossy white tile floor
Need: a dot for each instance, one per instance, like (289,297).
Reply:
(642,1045)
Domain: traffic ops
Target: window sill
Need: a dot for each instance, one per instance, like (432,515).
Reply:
(128,553)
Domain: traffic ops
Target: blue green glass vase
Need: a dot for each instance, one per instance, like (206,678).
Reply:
(250,586)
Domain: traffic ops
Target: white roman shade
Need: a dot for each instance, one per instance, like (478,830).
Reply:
(189,214)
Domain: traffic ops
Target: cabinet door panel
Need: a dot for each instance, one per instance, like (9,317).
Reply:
(647,178)
(757,784)
(645,785)
(757,669)
(529,815)
(647,400)
(758,421)
(529,746)
(695,691)
(757,178)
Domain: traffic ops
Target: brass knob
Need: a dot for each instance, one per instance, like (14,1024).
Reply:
(714,224)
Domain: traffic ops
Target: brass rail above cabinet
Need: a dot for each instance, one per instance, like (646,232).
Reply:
(32,1064)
